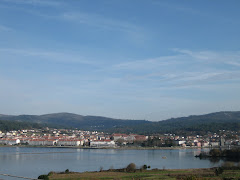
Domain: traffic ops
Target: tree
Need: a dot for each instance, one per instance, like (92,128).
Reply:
(218,171)
(44,177)
(131,167)
(120,141)
(215,153)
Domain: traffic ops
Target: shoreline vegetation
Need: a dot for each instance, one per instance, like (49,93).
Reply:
(221,153)
(215,155)
(131,172)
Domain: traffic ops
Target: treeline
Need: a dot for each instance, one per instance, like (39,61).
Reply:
(187,125)
(156,142)
(200,128)
(13,125)
(227,154)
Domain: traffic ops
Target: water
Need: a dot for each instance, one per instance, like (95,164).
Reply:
(32,162)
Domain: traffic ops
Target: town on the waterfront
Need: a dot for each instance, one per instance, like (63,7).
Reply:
(127,90)
(94,139)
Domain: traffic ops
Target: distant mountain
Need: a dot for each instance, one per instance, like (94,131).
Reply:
(198,123)
(69,120)
(212,122)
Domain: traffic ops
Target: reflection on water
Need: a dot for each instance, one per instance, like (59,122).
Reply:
(31,162)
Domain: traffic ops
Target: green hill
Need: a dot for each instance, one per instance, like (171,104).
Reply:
(69,120)
(198,123)
(212,122)
(13,125)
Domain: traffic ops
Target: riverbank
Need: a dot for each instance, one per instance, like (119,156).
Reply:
(184,174)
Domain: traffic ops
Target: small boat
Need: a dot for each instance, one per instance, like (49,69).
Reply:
(164,157)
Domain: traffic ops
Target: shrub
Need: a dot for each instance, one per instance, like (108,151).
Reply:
(228,165)
(190,178)
(215,152)
(67,171)
(131,167)
(111,168)
(44,177)
(144,166)
(51,173)
(218,171)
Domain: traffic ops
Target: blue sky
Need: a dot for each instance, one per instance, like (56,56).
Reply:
(138,59)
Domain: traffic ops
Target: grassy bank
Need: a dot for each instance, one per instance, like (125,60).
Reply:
(184,174)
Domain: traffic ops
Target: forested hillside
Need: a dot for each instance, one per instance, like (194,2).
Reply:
(199,123)
(13,125)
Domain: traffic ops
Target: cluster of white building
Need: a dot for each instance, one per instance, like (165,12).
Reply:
(77,138)
(130,137)
(9,141)
(42,142)
(102,143)
(57,142)
(56,137)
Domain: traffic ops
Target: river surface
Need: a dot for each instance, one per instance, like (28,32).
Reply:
(32,162)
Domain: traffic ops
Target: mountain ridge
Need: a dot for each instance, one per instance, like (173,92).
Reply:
(71,120)
(215,121)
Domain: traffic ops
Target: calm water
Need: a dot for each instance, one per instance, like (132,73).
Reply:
(32,162)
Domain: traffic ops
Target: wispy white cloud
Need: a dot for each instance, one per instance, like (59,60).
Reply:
(135,33)
(230,58)
(93,20)
(199,79)
(48,55)
(234,63)
(190,10)
(204,55)
(177,7)
(100,21)
(148,63)
(51,3)
(5,28)
(183,69)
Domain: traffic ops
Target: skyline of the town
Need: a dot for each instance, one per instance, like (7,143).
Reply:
(51,137)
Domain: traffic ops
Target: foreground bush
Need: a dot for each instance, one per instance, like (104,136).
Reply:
(44,177)
(218,171)
(131,167)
